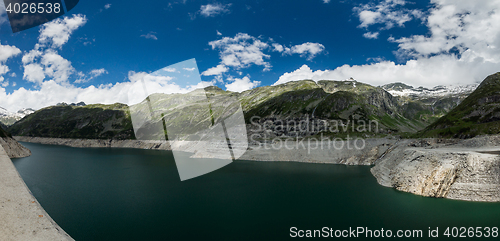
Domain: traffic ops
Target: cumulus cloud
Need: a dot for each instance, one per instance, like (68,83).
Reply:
(309,50)
(427,72)
(34,73)
(243,51)
(462,47)
(57,32)
(370,35)
(6,52)
(241,84)
(211,10)
(278,47)
(470,27)
(150,35)
(83,78)
(326,1)
(217,70)
(387,13)
(43,61)
(107,6)
(51,92)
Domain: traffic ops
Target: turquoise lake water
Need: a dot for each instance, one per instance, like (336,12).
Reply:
(131,194)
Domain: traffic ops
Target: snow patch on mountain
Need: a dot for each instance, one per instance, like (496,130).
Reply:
(399,89)
(9,118)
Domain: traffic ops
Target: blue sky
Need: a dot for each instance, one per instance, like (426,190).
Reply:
(96,51)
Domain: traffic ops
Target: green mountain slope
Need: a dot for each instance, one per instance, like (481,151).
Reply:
(477,114)
(349,103)
(91,122)
(329,100)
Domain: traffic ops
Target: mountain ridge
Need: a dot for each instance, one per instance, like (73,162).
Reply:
(477,114)
(347,101)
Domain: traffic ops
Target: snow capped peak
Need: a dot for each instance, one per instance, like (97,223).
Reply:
(400,89)
(8,118)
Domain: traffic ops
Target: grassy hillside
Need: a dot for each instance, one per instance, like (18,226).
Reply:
(478,114)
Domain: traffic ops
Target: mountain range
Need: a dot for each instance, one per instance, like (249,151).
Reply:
(8,118)
(397,108)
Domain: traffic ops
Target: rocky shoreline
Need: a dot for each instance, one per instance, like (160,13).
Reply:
(13,149)
(456,169)
(444,168)
(138,144)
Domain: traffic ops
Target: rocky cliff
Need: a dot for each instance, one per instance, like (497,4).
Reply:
(455,169)
(11,146)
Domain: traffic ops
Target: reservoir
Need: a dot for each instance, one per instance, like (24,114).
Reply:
(132,194)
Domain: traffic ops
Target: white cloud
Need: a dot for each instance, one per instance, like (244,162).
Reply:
(51,92)
(6,52)
(462,47)
(368,17)
(90,76)
(57,31)
(371,35)
(150,35)
(3,13)
(326,1)
(107,6)
(470,27)
(218,33)
(56,67)
(189,69)
(211,10)
(278,47)
(239,85)
(241,51)
(427,72)
(43,61)
(34,73)
(217,70)
(388,13)
(98,72)
(306,49)
(32,55)
(49,64)
(244,50)
(171,70)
